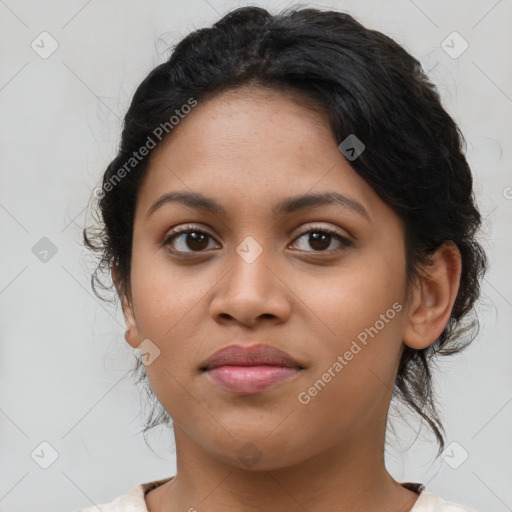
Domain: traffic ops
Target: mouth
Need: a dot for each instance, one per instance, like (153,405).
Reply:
(250,369)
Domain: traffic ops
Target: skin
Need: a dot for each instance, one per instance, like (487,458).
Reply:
(248,149)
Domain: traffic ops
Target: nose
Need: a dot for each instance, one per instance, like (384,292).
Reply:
(251,291)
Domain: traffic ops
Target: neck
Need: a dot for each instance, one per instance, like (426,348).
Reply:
(350,476)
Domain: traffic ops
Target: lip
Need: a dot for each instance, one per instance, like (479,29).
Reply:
(249,355)
(247,369)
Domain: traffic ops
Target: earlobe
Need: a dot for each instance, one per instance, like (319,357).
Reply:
(131,334)
(433,297)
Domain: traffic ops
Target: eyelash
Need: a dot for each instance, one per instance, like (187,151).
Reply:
(189,228)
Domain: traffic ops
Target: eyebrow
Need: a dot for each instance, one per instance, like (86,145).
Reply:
(286,206)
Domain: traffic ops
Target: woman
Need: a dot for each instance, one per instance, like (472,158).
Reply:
(290,226)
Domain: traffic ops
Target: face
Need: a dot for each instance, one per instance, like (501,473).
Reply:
(323,282)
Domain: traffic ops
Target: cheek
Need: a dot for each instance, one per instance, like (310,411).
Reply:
(169,305)
(351,297)
(359,311)
(166,296)
(356,362)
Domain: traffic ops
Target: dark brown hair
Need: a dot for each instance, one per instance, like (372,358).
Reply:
(370,86)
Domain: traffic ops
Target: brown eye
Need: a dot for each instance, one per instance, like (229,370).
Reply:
(320,241)
(321,238)
(189,239)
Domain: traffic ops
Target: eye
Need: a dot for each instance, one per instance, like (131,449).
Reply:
(321,237)
(192,239)
(187,237)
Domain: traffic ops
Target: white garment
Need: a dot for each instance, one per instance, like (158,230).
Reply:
(134,501)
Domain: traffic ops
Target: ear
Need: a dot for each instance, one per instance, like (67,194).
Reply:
(131,334)
(433,297)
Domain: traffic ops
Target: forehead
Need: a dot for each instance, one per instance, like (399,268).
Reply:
(251,146)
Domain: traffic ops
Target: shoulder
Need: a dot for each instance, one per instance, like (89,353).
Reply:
(132,501)
(431,502)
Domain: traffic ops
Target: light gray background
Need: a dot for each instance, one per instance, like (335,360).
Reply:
(63,359)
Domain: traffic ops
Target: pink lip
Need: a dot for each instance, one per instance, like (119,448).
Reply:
(250,379)
(250,369)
